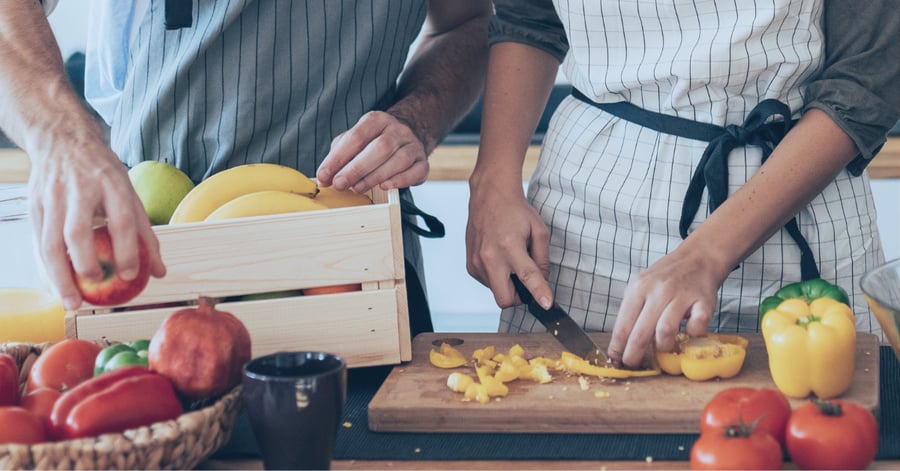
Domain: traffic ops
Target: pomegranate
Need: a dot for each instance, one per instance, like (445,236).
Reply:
(201,349)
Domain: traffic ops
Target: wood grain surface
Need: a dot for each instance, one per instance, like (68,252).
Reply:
(415,397)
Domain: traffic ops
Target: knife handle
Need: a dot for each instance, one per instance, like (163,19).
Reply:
(521,290)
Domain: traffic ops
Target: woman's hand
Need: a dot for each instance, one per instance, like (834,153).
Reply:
(681,285)
(506,235)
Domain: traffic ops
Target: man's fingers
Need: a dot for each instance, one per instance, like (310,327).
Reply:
(121,226)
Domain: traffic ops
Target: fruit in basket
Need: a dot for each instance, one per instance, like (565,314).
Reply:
(201,349)
(18,425)
(228,184)
(63,365)
(9,381)
(160,187)
(121,355)
(40,402)
(122,399)
(110,289)
(265,202)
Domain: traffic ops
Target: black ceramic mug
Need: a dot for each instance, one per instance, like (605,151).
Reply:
(294,401)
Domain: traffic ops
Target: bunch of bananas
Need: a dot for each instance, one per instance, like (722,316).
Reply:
(256,190)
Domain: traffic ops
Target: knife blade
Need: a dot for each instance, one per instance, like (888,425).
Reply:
(572,337)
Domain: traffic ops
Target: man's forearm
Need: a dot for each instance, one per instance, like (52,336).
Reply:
(444,77)
(38,99)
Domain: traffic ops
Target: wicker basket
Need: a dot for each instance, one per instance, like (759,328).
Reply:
(176,444)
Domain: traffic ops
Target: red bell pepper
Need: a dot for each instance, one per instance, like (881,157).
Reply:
(130,403)
(114,401)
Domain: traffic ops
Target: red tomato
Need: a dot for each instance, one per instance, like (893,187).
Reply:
(746,405)
(17,425)
(9,381)
(832,434)
(736,447)
(40,403)
(63,365)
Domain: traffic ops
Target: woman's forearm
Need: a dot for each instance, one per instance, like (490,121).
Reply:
(519,81)
(810,156)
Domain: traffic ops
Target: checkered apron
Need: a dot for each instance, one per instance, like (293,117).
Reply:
(612,191)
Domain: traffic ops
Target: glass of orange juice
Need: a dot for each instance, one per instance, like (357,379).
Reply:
(30,315)
(881,286)
(28,310)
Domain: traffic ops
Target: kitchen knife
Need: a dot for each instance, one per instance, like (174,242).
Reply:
(563,328)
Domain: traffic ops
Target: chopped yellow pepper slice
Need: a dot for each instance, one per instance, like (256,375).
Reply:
(459,381)
(705,357)
(447,357)
(575,364)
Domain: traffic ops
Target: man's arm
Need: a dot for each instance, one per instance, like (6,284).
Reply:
(442,80)
(75,176)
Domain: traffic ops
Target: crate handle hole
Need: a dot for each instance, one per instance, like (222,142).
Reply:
(452,341)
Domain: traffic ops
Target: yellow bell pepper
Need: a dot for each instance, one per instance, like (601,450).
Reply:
(705,357)
(811,347)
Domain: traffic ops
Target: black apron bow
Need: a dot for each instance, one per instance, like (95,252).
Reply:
(712,170)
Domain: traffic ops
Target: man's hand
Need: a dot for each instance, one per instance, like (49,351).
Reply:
(73,185)
(439,84)
(379,150)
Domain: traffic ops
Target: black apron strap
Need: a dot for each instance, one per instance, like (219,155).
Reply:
(179,14)
(435,226)
(712,170)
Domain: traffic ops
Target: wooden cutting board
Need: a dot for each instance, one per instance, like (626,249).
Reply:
(415,396)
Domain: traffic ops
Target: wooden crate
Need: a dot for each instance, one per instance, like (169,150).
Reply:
(231,258)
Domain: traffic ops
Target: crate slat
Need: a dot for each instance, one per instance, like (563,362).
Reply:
(362,326)
(229,258)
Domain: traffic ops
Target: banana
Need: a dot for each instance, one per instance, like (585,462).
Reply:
(229,184)
(260,203)
(340,199)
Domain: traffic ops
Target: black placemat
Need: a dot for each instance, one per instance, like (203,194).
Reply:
(357,442)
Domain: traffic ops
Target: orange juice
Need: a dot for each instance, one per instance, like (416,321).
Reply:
(30,315)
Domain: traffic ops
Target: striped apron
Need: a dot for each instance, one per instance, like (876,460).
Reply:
(613,191)
(214,84)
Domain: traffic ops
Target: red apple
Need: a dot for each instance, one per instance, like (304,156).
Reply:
(110,289)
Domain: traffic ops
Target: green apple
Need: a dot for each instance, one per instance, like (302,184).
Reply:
(160,186)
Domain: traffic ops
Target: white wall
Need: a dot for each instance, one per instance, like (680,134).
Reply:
(69,23)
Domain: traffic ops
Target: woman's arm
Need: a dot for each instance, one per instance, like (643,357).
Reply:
(684,283)
(505,234)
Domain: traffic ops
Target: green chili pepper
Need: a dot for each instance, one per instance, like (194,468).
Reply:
(809,291)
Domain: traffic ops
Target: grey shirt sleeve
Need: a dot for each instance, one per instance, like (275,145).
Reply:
(531,22)
(859,86)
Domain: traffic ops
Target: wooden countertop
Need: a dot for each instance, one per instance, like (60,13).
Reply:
(455,163)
